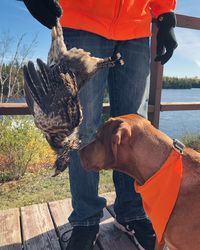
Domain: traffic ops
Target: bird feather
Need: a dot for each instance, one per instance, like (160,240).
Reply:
(52,93)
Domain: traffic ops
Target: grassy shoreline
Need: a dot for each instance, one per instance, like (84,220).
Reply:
(40,187)
(25,166)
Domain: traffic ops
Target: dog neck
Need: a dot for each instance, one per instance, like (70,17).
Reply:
(150,149)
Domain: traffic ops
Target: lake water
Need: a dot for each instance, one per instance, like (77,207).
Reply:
(177,123)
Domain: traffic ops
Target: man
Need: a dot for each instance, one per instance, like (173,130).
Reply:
(104,27)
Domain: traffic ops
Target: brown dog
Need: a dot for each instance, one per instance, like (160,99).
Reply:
(130,144)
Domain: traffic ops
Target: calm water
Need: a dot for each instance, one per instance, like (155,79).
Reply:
(177,123)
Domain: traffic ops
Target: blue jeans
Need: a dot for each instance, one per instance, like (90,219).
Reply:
(129,91)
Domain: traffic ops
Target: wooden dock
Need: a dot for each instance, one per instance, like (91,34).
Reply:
(40,226)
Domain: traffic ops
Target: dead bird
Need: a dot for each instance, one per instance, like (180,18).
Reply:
(52,93)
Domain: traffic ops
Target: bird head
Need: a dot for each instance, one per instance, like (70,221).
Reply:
(60,164)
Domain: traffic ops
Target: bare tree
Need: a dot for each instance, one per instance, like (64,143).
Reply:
(13,55)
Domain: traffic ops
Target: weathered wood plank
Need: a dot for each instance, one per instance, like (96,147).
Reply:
(38,229)
(22,108)
(188,22)
(10,232)
(110,237)
(60,211)
(14,109)
(106,108)
(111,211)
(175,106)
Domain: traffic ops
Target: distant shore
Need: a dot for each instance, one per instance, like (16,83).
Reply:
(180,83)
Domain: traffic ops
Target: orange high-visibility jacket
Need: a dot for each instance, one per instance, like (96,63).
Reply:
(114,19)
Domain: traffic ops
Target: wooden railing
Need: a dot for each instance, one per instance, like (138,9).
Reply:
(155,104)
(157,75)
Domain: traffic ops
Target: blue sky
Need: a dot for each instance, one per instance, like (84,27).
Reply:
(186,61)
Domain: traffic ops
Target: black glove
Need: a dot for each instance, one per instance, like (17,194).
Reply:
(166,40)
(45,11)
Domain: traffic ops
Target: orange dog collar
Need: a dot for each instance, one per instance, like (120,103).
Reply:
(159,193)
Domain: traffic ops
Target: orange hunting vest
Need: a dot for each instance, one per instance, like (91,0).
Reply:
(159,193)
(114,19)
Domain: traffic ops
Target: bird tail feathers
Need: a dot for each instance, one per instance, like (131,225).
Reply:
(36,83)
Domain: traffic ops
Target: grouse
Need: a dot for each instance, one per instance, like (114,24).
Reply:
(51,91)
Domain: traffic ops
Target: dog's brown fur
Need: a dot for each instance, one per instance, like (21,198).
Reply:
(132,145)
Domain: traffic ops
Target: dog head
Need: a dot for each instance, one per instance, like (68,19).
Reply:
(111,147)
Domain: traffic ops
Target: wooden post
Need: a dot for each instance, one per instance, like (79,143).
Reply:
(155,82)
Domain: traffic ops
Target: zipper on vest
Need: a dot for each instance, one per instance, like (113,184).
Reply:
(118,8)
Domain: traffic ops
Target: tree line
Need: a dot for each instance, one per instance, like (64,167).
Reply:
(181,83)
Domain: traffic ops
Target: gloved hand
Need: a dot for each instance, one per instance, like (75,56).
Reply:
(45,11)
(166,40)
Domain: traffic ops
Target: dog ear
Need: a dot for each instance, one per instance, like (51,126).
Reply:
(120,136)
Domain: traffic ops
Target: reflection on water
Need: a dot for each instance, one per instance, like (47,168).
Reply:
(177,123)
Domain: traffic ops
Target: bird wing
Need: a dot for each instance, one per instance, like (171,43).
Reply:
(37,85)
(52,98)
